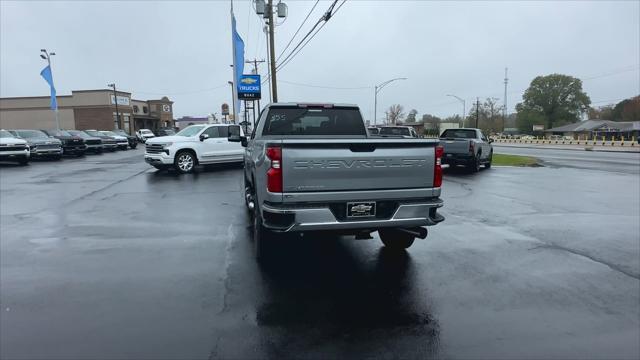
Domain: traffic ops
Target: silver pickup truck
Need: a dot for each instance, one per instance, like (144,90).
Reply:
(467,147)
(313,167)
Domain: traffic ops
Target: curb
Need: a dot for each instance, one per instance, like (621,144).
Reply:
(569,149)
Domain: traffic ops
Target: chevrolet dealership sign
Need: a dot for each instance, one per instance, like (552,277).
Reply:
(249,87)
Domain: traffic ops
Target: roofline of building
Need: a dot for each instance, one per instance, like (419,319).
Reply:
(99,90)
(35,97)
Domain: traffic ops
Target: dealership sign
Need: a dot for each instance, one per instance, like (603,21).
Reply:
(538,127)
(249,87)
(122,100)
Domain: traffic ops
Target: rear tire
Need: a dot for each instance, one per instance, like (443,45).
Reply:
(474,164)
(395,239)
(487,165)
(184,162)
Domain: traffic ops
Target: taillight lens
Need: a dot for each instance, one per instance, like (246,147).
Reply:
(437,172)
(274,174)
(471,147)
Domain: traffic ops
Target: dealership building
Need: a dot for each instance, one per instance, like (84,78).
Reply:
(87,109)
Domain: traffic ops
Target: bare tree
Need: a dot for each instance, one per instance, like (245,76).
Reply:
(395,113)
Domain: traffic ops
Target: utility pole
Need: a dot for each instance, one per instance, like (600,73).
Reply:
(477,112)
(255,63)
(115,100)
(504,110)
(272,51)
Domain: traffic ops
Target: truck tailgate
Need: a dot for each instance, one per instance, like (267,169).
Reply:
(455,146)
(361,164)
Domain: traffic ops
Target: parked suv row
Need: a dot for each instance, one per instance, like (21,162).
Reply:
(21,145)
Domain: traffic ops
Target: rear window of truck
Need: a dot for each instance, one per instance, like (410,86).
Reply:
(397,131)
(314,122)
(459,134)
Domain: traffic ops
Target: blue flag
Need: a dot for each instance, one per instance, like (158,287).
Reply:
(238,59)
(48,77)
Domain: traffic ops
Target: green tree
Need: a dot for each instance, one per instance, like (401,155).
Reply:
(525,119)
(627,110)
(557,99)
(411,117)
(601,113)
(431,124)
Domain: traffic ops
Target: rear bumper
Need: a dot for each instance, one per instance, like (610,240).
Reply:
(457,159)
(289,218)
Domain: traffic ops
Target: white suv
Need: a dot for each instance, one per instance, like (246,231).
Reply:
(13,149)
(144,134)
(194,145)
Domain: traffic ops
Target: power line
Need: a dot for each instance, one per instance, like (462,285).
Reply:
(297,31)
(326,18)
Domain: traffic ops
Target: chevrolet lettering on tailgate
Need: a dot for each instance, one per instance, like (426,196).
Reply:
(362,163)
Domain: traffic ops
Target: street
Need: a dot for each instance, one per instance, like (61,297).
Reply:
(104,257)
(628,163)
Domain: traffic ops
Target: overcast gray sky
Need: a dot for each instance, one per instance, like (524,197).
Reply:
(182,49)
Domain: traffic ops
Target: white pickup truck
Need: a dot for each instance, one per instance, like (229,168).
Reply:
(192,146)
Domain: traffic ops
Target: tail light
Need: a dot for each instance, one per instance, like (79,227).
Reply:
(274,174)
(437,172)
(471,147)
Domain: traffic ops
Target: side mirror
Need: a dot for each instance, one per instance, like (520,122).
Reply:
(204,137)
(243,141)
(234,133)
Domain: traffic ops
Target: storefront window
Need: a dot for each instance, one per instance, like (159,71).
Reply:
(115,121)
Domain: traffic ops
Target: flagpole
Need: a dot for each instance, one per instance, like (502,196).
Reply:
(55,111)
(233,54)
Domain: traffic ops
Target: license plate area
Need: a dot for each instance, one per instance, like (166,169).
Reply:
(361,209)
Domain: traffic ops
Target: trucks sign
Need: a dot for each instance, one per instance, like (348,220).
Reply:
(249,87)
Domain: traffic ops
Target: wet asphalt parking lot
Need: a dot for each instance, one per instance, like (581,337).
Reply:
(104,257)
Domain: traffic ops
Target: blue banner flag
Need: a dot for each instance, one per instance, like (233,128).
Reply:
(238,59)
(48,77)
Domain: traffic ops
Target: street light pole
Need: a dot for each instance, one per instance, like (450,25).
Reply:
(464,106)
(47,56)
(115,100)
(377,89)
(234,103)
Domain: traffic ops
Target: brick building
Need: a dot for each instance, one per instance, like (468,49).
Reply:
(87,109)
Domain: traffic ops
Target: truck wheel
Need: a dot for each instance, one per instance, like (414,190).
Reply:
(261,236)
(395,239)
(474,164)
(184,161)
(487,165)
(24,161)
(247,193)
